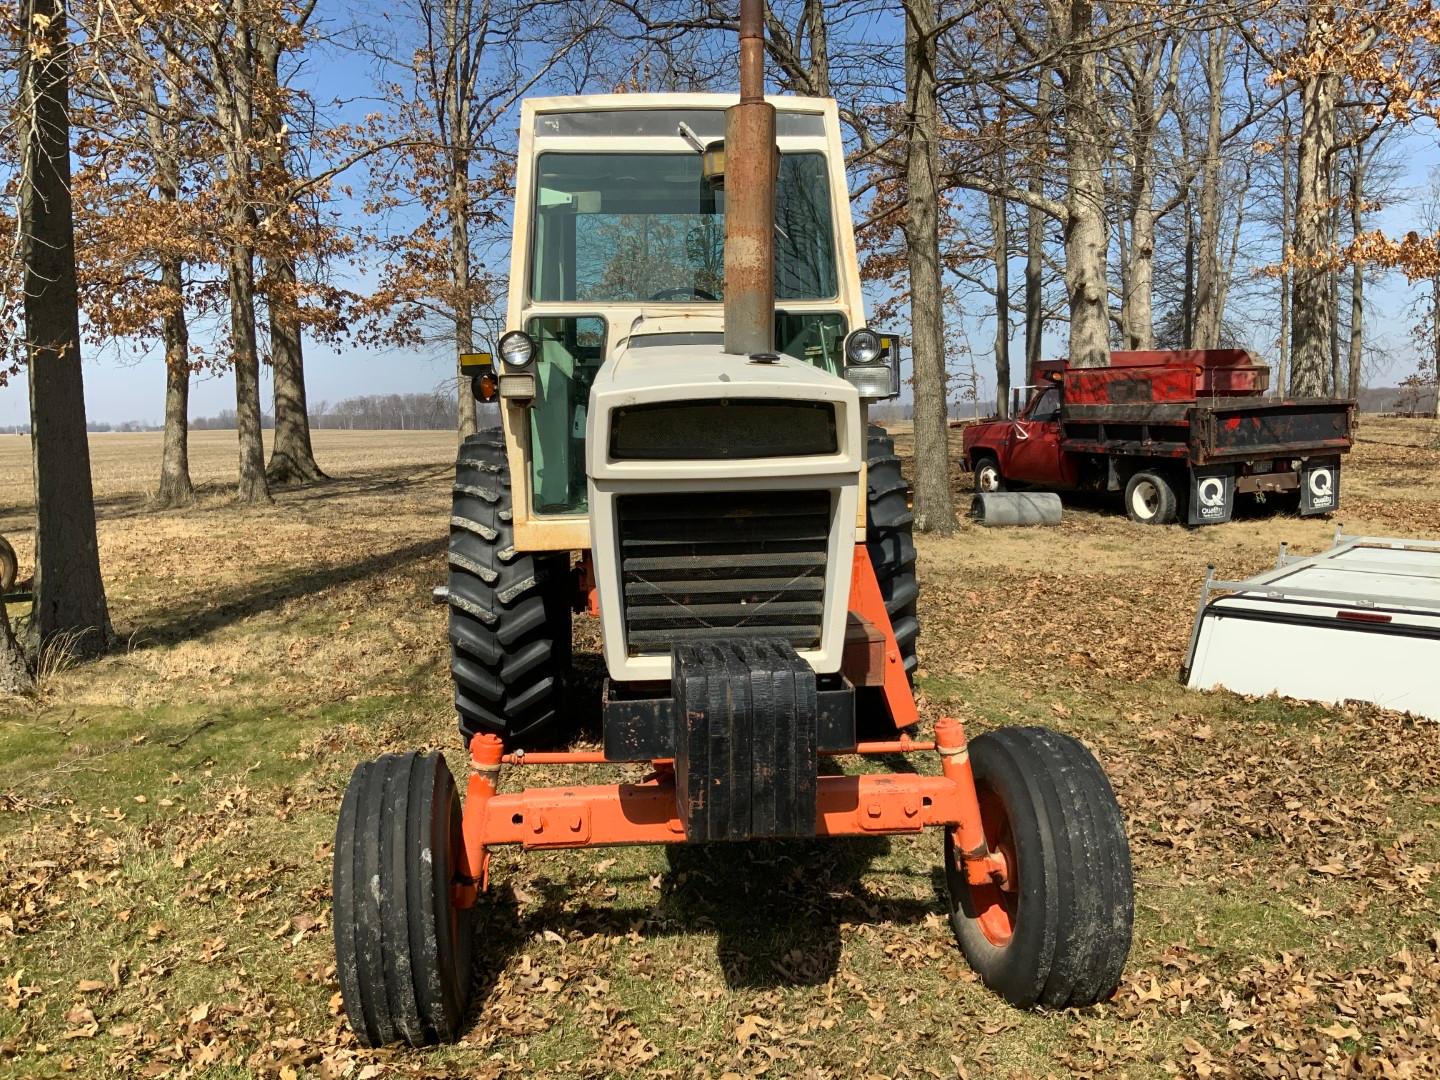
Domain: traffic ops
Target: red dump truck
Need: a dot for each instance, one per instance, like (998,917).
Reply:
(1181,432)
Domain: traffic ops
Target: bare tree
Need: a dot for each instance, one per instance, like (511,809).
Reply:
(69,592)
(934,501)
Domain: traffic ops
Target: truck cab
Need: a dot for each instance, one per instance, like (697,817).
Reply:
(1028,445)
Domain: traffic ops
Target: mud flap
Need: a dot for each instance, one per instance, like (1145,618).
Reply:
(745,740)
(1320,486)
(1212,496)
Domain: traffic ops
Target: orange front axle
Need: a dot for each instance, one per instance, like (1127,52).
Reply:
(647,812)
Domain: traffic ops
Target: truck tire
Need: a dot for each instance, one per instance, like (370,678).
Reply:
(402,949)
(987,475)
(509,610)
(1150,499)
(1057,933)
(890,541)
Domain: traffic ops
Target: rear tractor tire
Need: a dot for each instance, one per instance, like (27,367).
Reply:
(889,539)
(402,949)
(1150,499)
(987,476)
(509,610)
(9,566)
(1057,930)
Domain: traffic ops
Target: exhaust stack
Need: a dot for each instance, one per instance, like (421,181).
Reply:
(750,198)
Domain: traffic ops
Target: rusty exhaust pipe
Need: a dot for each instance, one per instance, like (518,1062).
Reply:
(750,198)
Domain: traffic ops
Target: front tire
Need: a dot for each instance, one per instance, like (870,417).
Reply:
(509,610)
(1150,499)
(402,949)
(889,539)
(1057,931)
(987,476)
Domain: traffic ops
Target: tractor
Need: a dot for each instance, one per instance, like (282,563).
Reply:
(684,450)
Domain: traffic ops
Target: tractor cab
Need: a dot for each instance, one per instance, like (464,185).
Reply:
(620,388)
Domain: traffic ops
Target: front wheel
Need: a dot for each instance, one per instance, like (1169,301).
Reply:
(402,948)
(987,476)
(1055,929)
(1150,500)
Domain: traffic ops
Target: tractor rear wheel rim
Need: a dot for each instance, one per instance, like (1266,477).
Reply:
(997,903)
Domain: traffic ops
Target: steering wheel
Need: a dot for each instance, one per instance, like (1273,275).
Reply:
(685,292)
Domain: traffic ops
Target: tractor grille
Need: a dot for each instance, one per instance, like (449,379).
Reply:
(723,565)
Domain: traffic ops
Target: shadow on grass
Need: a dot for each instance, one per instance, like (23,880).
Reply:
(775,908)
(210,495)
(205,612)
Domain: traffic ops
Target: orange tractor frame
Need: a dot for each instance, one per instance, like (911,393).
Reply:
(647,812)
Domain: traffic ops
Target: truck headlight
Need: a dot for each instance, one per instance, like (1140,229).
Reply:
(516,348)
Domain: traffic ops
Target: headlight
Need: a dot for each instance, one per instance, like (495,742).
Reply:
(516,348)
(863,347)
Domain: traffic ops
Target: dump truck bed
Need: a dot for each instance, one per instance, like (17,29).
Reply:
(1360,622)
(1214,431)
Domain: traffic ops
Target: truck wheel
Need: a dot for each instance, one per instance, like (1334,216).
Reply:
(1057,931)
(987,476)
(509,610)
(402,949)
(1149,499)
(890,541)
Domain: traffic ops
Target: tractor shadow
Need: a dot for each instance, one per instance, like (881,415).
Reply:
(776,907)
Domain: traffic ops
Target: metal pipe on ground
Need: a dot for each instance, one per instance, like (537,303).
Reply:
(1016,508)
(750,198)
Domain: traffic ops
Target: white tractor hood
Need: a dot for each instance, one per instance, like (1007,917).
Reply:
(694,367)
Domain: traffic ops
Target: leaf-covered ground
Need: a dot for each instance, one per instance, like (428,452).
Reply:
(166,818)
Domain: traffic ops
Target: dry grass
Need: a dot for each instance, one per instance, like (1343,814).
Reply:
(166,814)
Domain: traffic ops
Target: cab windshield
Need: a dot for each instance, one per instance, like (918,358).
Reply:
(647,227)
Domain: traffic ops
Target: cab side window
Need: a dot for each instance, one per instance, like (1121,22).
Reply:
(1047,409)
(571,350)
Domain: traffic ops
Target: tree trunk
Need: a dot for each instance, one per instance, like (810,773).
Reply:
(819,48)
(1332,243)
(934,503)
(460,284)
(69,592)
(252,486)
(292,460)
(1435,316)
(1310,299)
(457,126)
(175,487)
(1035,238)
(1086,234)
(1208,306)
(1187,289)
(1357,275)
(236,105)
(1000,253)
(15,675)
(1282,382)
(1138,315)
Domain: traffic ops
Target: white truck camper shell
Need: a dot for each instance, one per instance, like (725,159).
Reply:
(1359,622)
